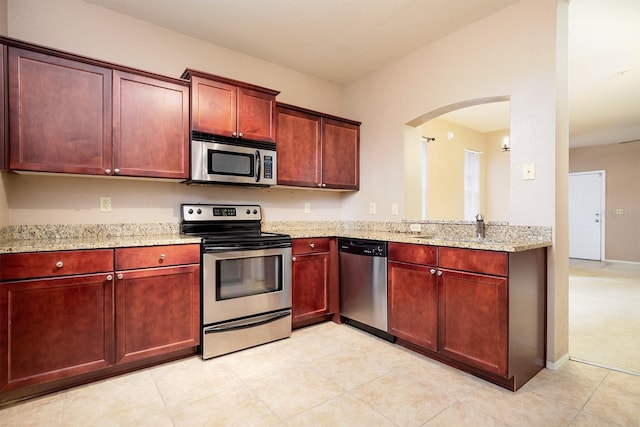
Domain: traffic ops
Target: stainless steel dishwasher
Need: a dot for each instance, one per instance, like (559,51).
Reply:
(363,285)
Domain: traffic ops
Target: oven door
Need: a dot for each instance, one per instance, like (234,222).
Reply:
(243,283)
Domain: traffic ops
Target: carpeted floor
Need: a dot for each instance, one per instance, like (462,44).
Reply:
(604,314)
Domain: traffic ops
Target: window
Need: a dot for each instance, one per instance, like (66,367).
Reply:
(471,184)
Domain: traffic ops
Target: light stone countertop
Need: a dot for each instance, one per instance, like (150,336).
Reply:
(41,238)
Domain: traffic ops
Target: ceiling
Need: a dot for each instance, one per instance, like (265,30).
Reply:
(350,38)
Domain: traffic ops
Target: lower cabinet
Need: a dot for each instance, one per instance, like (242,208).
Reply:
(157,301)
(480,311)
(312,280)
(67,317)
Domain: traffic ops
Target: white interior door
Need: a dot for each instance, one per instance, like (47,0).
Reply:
(586,215)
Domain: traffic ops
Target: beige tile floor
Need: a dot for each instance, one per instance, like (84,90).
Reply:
(334,375)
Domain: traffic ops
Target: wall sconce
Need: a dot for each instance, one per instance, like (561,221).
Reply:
(427,139)
(506,146)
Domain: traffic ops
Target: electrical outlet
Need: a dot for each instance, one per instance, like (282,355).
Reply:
(307,208)
(372,208)
(394,209)
(415,228)
(105,204)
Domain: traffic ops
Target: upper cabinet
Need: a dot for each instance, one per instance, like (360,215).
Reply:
(317,150)
(70,114)
(60,114)
(151,127)
(4,123)
(222,106)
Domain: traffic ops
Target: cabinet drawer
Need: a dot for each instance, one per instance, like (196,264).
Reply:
(413,254)
(156,256)
(306,246)
(476,261)
(52,264)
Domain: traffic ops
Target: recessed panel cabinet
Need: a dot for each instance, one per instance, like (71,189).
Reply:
(68,115)
(226,107)
(4,122)
(316,150)
(481,311)
(313,281)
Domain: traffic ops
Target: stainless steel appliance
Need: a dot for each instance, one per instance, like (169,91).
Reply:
(246,277)
(363,285)
(222,160)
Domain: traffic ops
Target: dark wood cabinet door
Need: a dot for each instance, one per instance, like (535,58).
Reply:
(298,144)
(60,114)
(340,155)
(4,121)
(214,106)
(256,115)
(474,320)
(157,311)
(310,278)
(413,304)
(54,328)
(151,127)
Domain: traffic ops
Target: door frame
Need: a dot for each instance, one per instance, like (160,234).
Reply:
(603,205)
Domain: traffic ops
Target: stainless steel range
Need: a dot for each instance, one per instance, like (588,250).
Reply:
(246,277)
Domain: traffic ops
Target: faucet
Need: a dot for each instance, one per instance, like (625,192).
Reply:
(480,226)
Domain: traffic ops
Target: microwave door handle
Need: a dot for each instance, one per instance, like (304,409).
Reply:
(258,166)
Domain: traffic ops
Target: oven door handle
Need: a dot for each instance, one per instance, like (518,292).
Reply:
(215,249)
(247,323)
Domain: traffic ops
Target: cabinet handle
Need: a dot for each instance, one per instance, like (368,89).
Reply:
(116,171)
(324,185)
(109,277)
(59,264)
(240,134)
(313,245)
(235,134)
(107,171)
(439,273)
(293,259)
(432,271)
(120,275)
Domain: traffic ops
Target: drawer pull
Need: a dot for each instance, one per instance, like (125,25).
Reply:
(432,271)
(439,273)
(313,245)
(59,264)
(109,277)
(120,275)
(162,257)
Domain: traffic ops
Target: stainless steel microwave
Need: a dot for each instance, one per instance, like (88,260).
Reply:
(222,160)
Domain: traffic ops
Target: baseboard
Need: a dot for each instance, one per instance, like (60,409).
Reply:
(554,366)
(623,261)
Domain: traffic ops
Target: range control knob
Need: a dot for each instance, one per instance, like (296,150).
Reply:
(190,211)
(255,211)
(199,211)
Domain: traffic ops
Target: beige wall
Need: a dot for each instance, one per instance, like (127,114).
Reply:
(498,177)
(620,161)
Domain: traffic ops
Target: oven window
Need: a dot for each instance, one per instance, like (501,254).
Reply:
(230,163)
(241,277)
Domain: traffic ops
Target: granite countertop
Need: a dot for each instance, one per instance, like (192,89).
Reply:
(41,238)
(425,239)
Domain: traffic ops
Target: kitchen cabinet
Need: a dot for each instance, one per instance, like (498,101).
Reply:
(151,127)
(56,315)
(68,317)
(413,294)
(59,114)
(157,300)
(317,150)
(313,281)
(227,107)
(69,114)
(490,309)
(4,121)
